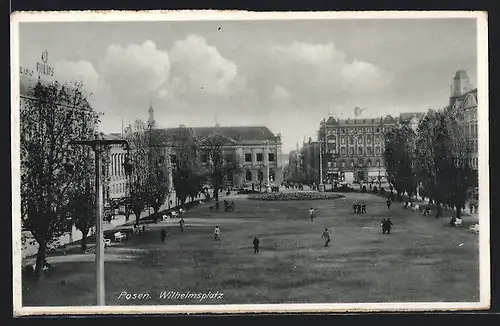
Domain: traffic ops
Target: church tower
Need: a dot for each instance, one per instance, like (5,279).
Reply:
(151,117)
(461,83)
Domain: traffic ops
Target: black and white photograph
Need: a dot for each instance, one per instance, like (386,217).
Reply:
(218,162)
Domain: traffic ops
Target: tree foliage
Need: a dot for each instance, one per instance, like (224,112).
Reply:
(188,176)
(436,159)
(53,115)
(399,157)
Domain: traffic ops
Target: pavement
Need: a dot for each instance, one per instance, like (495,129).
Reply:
(29,246)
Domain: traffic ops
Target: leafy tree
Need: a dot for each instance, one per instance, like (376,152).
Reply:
(399,155)
(157,184)
(220,162)
(82,192)
(53,115)
(187,174)
(139,151)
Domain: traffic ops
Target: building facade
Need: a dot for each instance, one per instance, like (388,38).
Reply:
(464,97)
(353,148)
(255,147)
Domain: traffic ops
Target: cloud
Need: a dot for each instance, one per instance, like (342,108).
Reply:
(280,93)
(317,72)
(200,67)
(136,72)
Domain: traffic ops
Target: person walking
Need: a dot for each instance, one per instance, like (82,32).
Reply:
(217,233)
(255,245)
(388,203)
(311,213)
(326,237)
(163,235)
(388,226)
(181,224)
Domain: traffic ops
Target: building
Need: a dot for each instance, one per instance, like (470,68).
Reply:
(255,148)
(464,97)
(353,148)
(293,172)
(309,161)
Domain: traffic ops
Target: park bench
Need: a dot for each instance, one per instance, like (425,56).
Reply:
(119,236)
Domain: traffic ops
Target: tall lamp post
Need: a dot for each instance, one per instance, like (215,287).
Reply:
(98,146)
(266,160)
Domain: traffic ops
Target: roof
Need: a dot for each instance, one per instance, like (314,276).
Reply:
(466,100)
(461,74)
(379,120)
(236,133)
(411,115)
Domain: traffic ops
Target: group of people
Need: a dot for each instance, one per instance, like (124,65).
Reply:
(229,207)
(359,208)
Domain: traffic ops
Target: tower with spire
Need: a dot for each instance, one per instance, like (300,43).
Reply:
(151,116)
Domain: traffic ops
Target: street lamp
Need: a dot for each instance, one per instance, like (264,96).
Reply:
(98,146)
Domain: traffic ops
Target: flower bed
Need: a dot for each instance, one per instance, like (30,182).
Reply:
(279,196)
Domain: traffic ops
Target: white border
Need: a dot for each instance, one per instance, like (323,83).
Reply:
(210,15)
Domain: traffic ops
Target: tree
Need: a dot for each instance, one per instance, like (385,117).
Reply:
(187,174)
(221,160)
(157,184)
(455,175)
(138,139)
(426,154)
(53,115)
(82,191)
(399,157)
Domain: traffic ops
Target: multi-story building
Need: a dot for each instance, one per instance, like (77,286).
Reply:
(255,149)
(353,148)
(464,97)
(309,161)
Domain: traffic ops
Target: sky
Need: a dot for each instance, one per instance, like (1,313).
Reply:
(284,74)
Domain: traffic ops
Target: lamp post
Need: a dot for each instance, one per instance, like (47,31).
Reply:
(266,160)
(98,146)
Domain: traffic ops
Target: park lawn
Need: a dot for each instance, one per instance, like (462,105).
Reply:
(421,260)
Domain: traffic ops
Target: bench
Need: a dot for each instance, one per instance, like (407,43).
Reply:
(119,236)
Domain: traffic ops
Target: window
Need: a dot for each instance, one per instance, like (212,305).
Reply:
(342,131)
(377,151)
(360,151)
(334,164)
(272,175)
(368,139)
(351,139)
(377,140)
(352,164)
(260,157)
(342,151)
(369,163)
(248,157)
(204,158)
(377,129)
(260,175)
(343,164)
(342,140)
(161,159)
(271,157)
(369,151)
(360,139)
(248,175)
(351,151)
(329,165)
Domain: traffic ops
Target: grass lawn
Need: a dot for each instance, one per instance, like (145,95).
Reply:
(421,260)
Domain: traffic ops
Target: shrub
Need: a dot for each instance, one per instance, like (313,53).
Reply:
(280,196)
(375,190)
(363,190)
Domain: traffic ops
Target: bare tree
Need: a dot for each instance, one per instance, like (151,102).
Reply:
(221,160)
